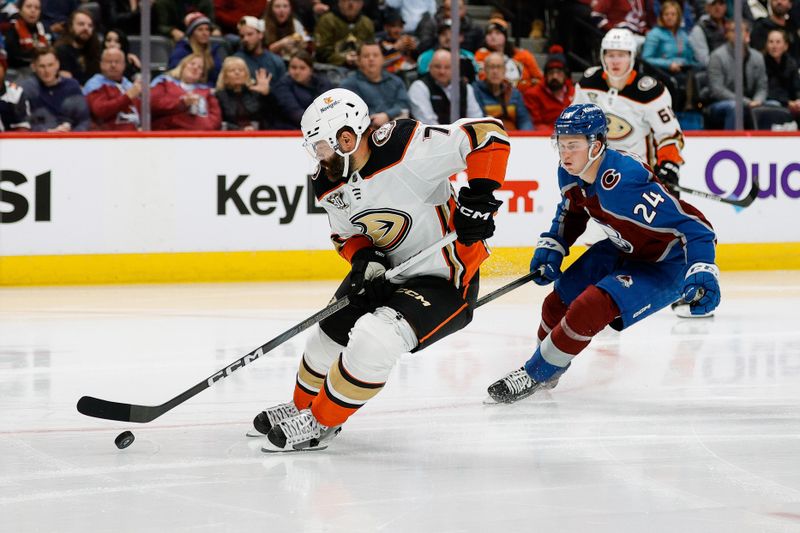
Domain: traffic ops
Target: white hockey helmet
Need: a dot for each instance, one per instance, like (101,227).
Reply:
(619,39)
(327,115)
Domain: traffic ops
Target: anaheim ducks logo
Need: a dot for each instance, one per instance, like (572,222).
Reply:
(618,127)
(383,133)
(388,228)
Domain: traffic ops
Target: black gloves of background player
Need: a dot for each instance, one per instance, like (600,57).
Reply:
(474,216)
(667,173)
(368,286)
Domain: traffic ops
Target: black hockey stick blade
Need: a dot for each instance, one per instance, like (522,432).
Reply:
(125,412)
(741,202)
(98,408)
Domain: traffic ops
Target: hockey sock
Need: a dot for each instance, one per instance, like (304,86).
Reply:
(586,316)
(553,310)
(341,396)
(307,386)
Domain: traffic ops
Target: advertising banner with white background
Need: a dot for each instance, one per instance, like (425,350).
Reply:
(217,194)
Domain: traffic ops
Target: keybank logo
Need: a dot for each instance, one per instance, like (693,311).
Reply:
(772,180)
(20,196)
(238,196)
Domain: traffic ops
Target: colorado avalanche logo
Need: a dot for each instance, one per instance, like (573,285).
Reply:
(609,179)
(625,280)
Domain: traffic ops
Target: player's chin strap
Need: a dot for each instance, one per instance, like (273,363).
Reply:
(591,159)
(346,168)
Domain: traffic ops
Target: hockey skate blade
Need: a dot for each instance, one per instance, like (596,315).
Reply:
(254,433)
(269,450)
(684,310)
(490,401)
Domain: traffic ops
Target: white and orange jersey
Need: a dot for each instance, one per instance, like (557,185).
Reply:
(401,200)
(640,116)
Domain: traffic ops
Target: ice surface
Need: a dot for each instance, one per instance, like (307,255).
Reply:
(673,426)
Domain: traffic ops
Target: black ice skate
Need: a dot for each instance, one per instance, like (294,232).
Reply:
(264,420)
(518,385)
(299,433)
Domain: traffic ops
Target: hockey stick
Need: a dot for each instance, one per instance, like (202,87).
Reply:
(483,300)
(126,412)
(741,202)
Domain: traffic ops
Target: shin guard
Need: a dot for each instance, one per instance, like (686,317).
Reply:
(376,342)
(553,310)
(319,354)
(591,311)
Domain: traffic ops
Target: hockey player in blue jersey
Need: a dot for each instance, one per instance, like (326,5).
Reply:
(659,249)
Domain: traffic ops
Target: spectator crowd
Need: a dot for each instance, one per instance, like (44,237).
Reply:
(68,65)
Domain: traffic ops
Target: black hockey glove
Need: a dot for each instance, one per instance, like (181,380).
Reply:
(474,216)
(667,173)
(368,286)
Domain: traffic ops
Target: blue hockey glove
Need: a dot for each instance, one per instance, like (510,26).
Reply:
(701,288)
(547,259)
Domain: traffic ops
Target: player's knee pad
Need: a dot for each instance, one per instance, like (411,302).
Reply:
(376,342)
(591,311)
(321,351)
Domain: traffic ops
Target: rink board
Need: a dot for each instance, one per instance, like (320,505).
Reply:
(150,208)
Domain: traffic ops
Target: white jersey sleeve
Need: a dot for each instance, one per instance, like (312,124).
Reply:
(437,152)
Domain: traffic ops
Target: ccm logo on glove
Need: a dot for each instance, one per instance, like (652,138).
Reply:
(473,220)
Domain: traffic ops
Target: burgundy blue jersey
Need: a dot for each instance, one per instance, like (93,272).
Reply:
(640,217)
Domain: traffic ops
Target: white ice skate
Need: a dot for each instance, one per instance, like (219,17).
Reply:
(299,433)
(264,420)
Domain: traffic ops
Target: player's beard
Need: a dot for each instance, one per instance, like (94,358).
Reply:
(334,166)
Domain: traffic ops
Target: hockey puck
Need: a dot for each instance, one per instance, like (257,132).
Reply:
(124,440)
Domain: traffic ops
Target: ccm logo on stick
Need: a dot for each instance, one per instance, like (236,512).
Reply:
(249,358)
(19,202)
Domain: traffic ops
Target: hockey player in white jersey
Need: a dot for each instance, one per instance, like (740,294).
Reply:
(639,108)
(388,195)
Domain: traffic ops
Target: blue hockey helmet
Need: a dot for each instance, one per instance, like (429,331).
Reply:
(582,119)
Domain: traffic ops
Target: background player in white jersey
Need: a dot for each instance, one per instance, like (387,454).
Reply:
(639,108)
(388,195)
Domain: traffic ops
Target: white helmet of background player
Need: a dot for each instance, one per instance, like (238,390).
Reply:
(324,119)
(618,39)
